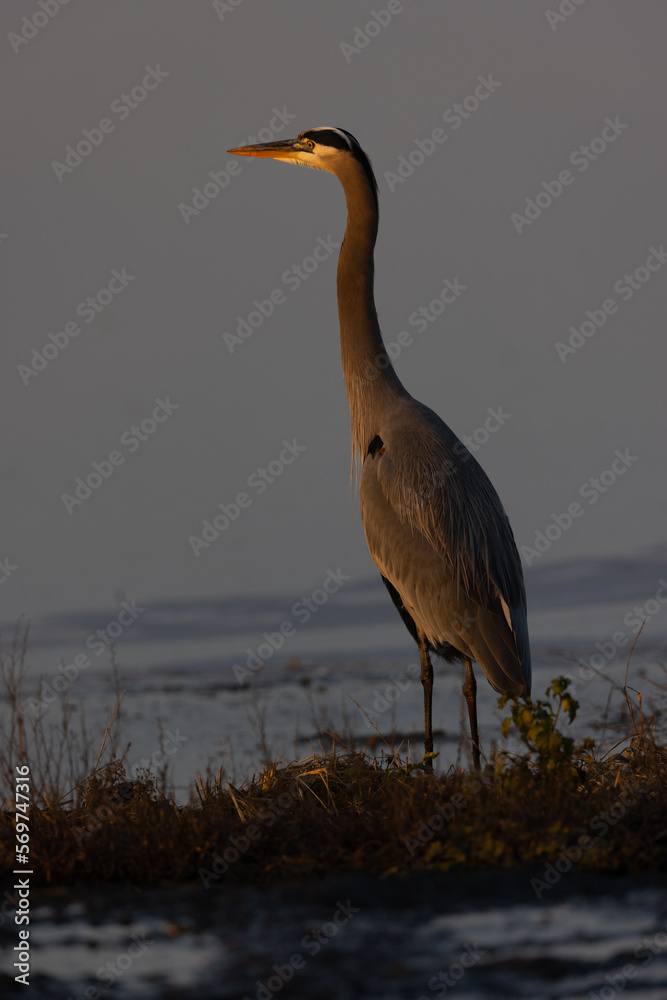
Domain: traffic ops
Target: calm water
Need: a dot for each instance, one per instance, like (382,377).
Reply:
(352,670)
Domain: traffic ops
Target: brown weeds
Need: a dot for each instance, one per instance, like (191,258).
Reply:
(333,812)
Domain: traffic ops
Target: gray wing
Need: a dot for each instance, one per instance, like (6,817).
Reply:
(433,485)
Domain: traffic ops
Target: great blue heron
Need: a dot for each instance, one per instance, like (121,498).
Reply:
(434,524)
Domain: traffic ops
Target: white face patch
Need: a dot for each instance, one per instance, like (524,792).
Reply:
(337,153)
(324,156)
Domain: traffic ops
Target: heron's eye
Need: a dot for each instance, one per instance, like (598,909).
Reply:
(310,144)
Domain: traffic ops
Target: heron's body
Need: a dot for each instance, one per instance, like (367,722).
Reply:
(434,524)
(452,601)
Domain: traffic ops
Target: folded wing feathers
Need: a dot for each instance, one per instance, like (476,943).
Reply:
(435,484)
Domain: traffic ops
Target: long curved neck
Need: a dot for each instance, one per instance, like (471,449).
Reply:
(369,375)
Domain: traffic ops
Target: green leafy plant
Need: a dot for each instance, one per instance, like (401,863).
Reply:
(536,723)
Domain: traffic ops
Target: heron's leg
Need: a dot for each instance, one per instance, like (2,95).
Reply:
(470,693)
(426,676)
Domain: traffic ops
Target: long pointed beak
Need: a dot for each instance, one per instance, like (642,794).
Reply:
(285,149)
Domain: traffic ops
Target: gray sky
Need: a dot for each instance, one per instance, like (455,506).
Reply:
(198,80)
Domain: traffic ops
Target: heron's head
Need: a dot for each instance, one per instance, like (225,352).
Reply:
(323,148)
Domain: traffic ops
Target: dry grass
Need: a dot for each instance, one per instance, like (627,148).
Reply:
(342,811)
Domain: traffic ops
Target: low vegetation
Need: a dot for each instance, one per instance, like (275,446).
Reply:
(557,804)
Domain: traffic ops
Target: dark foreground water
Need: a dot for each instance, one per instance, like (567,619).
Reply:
(473,935)
(350,669)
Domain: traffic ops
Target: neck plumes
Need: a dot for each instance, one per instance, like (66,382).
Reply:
(369,375)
